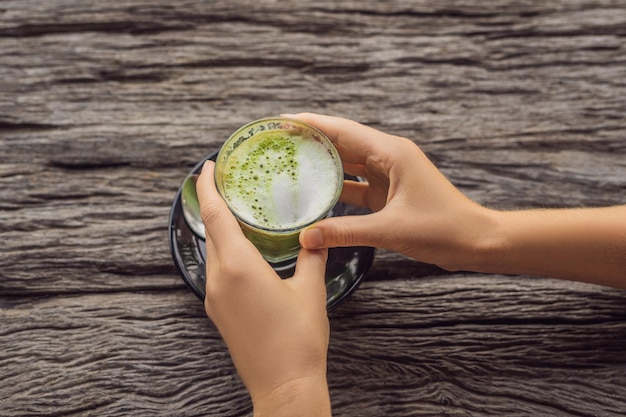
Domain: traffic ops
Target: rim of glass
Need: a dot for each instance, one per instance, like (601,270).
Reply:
(235,136)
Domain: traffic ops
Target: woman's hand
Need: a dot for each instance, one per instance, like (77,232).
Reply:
(419,213)
(277,331)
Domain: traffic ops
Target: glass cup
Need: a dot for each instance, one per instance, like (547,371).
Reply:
(278,176)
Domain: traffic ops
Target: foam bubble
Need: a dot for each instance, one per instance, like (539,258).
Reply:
(280,180)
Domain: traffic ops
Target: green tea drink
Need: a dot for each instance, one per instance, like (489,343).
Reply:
(278,176)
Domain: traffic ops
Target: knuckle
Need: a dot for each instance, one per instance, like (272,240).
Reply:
(208,305)
(213,296)
(223,280)
(343,234)
(211,213)
(211,291)
(232,271)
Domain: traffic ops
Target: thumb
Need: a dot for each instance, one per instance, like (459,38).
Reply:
(342,231)
(310,271)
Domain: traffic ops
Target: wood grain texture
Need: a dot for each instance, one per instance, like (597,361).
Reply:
(105,107)
(431,346)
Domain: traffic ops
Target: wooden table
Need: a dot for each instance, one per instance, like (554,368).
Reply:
(105,107)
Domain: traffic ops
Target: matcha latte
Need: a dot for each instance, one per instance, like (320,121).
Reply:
(278,176)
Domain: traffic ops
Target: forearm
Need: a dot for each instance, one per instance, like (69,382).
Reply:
(306,397)
(577,244)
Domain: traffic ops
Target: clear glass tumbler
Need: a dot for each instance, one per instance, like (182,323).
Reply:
(278,176)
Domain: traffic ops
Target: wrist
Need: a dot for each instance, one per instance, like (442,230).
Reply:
(303,397)
(577,244)
(484,241)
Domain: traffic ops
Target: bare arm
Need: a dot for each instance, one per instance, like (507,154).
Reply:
(586,244)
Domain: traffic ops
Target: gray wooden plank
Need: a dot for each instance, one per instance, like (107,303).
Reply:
(440,345)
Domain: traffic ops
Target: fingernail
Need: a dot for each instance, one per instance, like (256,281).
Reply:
(289,115)
(205,165)
(313,238)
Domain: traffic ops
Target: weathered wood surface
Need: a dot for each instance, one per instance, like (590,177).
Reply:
(105,106)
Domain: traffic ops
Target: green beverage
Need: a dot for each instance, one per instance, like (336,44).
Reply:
(278,176)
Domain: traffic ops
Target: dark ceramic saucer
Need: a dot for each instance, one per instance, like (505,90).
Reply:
(345,269)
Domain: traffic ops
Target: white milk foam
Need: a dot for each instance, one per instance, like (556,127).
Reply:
(280,180)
